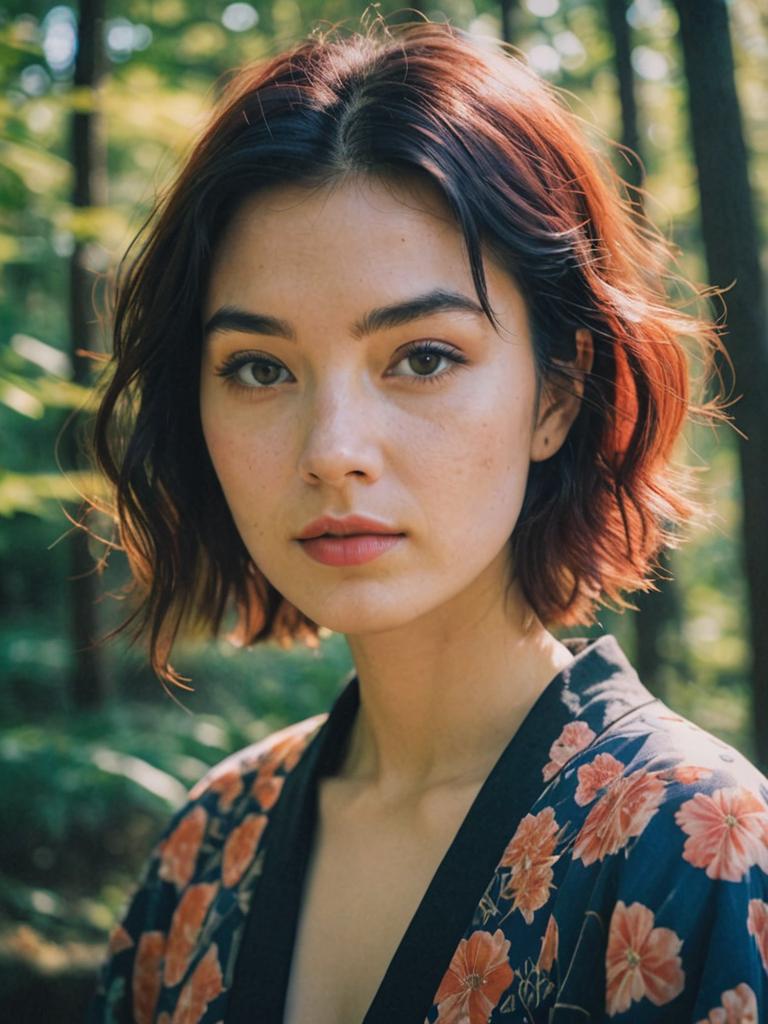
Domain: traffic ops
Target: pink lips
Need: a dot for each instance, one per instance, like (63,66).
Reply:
(349,540)
(352,550)
(344,525)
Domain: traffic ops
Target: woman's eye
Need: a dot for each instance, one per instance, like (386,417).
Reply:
(424,358)
(252,372)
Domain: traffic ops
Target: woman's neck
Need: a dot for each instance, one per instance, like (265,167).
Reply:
(441,699)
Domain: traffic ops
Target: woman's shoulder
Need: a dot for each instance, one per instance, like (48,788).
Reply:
(685,813)
(665,770)
(203,867)
(219,826)
(684,756)
(656,797)
(275,755)
(654,763)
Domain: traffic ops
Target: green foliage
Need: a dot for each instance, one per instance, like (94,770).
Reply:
(135,758)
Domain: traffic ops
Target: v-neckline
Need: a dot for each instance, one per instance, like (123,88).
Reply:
(262,971)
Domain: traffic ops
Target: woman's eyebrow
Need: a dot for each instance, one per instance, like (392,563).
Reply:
(439,300)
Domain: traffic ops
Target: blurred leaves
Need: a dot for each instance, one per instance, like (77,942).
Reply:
(34,493)
(92,223)
(39,170)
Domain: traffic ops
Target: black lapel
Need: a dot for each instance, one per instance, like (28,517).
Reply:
(261,975)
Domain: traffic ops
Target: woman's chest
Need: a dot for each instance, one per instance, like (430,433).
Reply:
(364,882)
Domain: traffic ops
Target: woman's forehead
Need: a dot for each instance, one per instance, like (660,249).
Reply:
(337,238)
(387,238)
(363,206)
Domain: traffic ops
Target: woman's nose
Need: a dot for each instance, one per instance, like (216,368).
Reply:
(339,436)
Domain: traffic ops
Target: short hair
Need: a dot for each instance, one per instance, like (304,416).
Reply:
(521,177)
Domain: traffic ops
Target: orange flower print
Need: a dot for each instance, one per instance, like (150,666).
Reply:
(201,989)
(119,940)
(595,776)
(180,849)
(727,832)
(688,773)
(478,974)
(739,1006)
(229,786)
(147,977)
(530,855)
(621,813)
(266,789)
(185,928)
(757,925)
(641,961)
(269,761)
(240,848)
(293,754)
(573,739)
(286,752)
(549,945)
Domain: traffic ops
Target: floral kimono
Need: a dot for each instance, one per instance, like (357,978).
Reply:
(613,866)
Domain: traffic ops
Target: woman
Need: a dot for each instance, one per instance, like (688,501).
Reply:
(396,360)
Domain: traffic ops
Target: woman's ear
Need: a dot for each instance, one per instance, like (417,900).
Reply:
(559,404)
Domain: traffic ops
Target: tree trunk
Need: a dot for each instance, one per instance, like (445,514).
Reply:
(89,189)
(659,636)
(510,16)
(618,26)
(732,250)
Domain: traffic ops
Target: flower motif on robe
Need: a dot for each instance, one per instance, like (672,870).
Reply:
(180,849)
(229,786)
(688,773)
(186,923)
(240,848)
(549,945)
(284,753)
(147,976)
(574,737)
(596,776)
(641,962)
(727,832)
(201,989)
(475,980)
(757,925)
(530,854)
(266,788)
(739,1006)
(621,814)
(119,940)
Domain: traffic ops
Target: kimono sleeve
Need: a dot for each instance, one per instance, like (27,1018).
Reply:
(688,934)
(130,978)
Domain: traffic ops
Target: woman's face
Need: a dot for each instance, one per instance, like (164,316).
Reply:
(332,408)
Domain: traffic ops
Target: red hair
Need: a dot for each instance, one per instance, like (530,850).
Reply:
(522,180)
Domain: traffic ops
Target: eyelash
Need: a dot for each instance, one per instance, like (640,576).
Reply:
(230,368)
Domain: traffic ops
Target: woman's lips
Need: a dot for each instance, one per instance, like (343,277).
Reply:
(354,549)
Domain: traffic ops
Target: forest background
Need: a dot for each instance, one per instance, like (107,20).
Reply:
(97,106)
